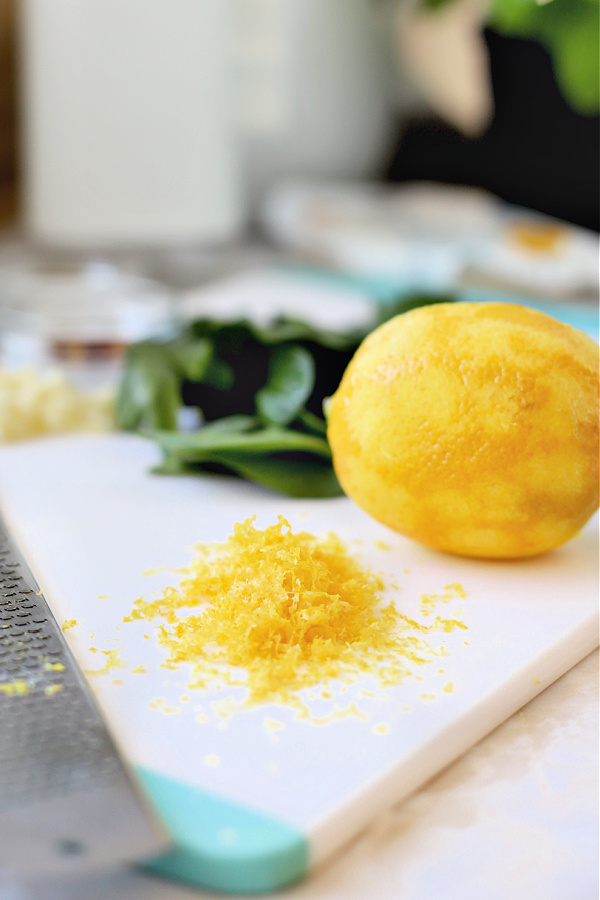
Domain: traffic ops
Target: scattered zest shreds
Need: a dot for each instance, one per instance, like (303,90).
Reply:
(276,612)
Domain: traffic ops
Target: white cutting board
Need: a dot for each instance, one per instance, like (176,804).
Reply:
(92,520)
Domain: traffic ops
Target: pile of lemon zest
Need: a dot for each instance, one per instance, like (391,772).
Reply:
(52,689)
(276,612)
(68,623)
(54,667)
(18,687)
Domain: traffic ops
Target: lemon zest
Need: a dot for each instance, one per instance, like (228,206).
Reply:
(277,612)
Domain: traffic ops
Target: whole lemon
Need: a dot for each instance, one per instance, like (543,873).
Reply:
(472,428)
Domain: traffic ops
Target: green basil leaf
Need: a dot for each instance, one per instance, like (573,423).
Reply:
(231,425)
(218,374)
(290,384)
(196,444)
(149,394)
(306,479)
(192,356)
(313,422)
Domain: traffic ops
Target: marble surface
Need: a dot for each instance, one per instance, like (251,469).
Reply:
(516,818)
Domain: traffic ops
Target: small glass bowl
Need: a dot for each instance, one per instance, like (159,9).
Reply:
(79,318)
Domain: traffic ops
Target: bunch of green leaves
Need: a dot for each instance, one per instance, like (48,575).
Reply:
(260,391)
(568,29)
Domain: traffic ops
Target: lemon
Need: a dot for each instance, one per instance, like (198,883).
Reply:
(471,428)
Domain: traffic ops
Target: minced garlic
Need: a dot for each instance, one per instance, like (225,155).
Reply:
(277,612)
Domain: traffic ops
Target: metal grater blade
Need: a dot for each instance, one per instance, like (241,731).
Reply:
(66,802)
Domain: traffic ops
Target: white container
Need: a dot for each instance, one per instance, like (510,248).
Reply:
(128,131)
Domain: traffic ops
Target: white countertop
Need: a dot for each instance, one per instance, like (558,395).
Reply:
(516,818)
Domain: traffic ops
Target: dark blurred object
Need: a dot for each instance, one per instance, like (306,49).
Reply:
(8,115)
(537,153)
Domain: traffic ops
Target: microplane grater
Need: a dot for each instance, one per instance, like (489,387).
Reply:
(66,801)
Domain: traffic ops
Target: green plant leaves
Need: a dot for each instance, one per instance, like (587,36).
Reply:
(260,390)
(569,31)
(290,384)
(150,390)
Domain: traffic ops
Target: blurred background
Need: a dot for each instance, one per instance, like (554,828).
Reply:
(378,147)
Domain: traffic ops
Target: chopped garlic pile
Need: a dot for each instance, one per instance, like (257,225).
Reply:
(33,403)
(277,611)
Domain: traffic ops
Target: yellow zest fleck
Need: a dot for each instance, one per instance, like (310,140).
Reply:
(202,717)
(427,698)
(53,689)
(448,687)
(277,612)
(537,681)
(211,759)
(54,667)
(113,661)
(69,623)
(117,681)
(381,728)
(18,687)
(382,545)
(223,708)
(157,703)
(184,699)
(273,725)
(334,716)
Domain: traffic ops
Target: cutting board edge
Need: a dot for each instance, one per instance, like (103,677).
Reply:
(220,844)
(340,825)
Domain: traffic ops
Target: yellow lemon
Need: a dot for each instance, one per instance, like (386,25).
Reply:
(472,428)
